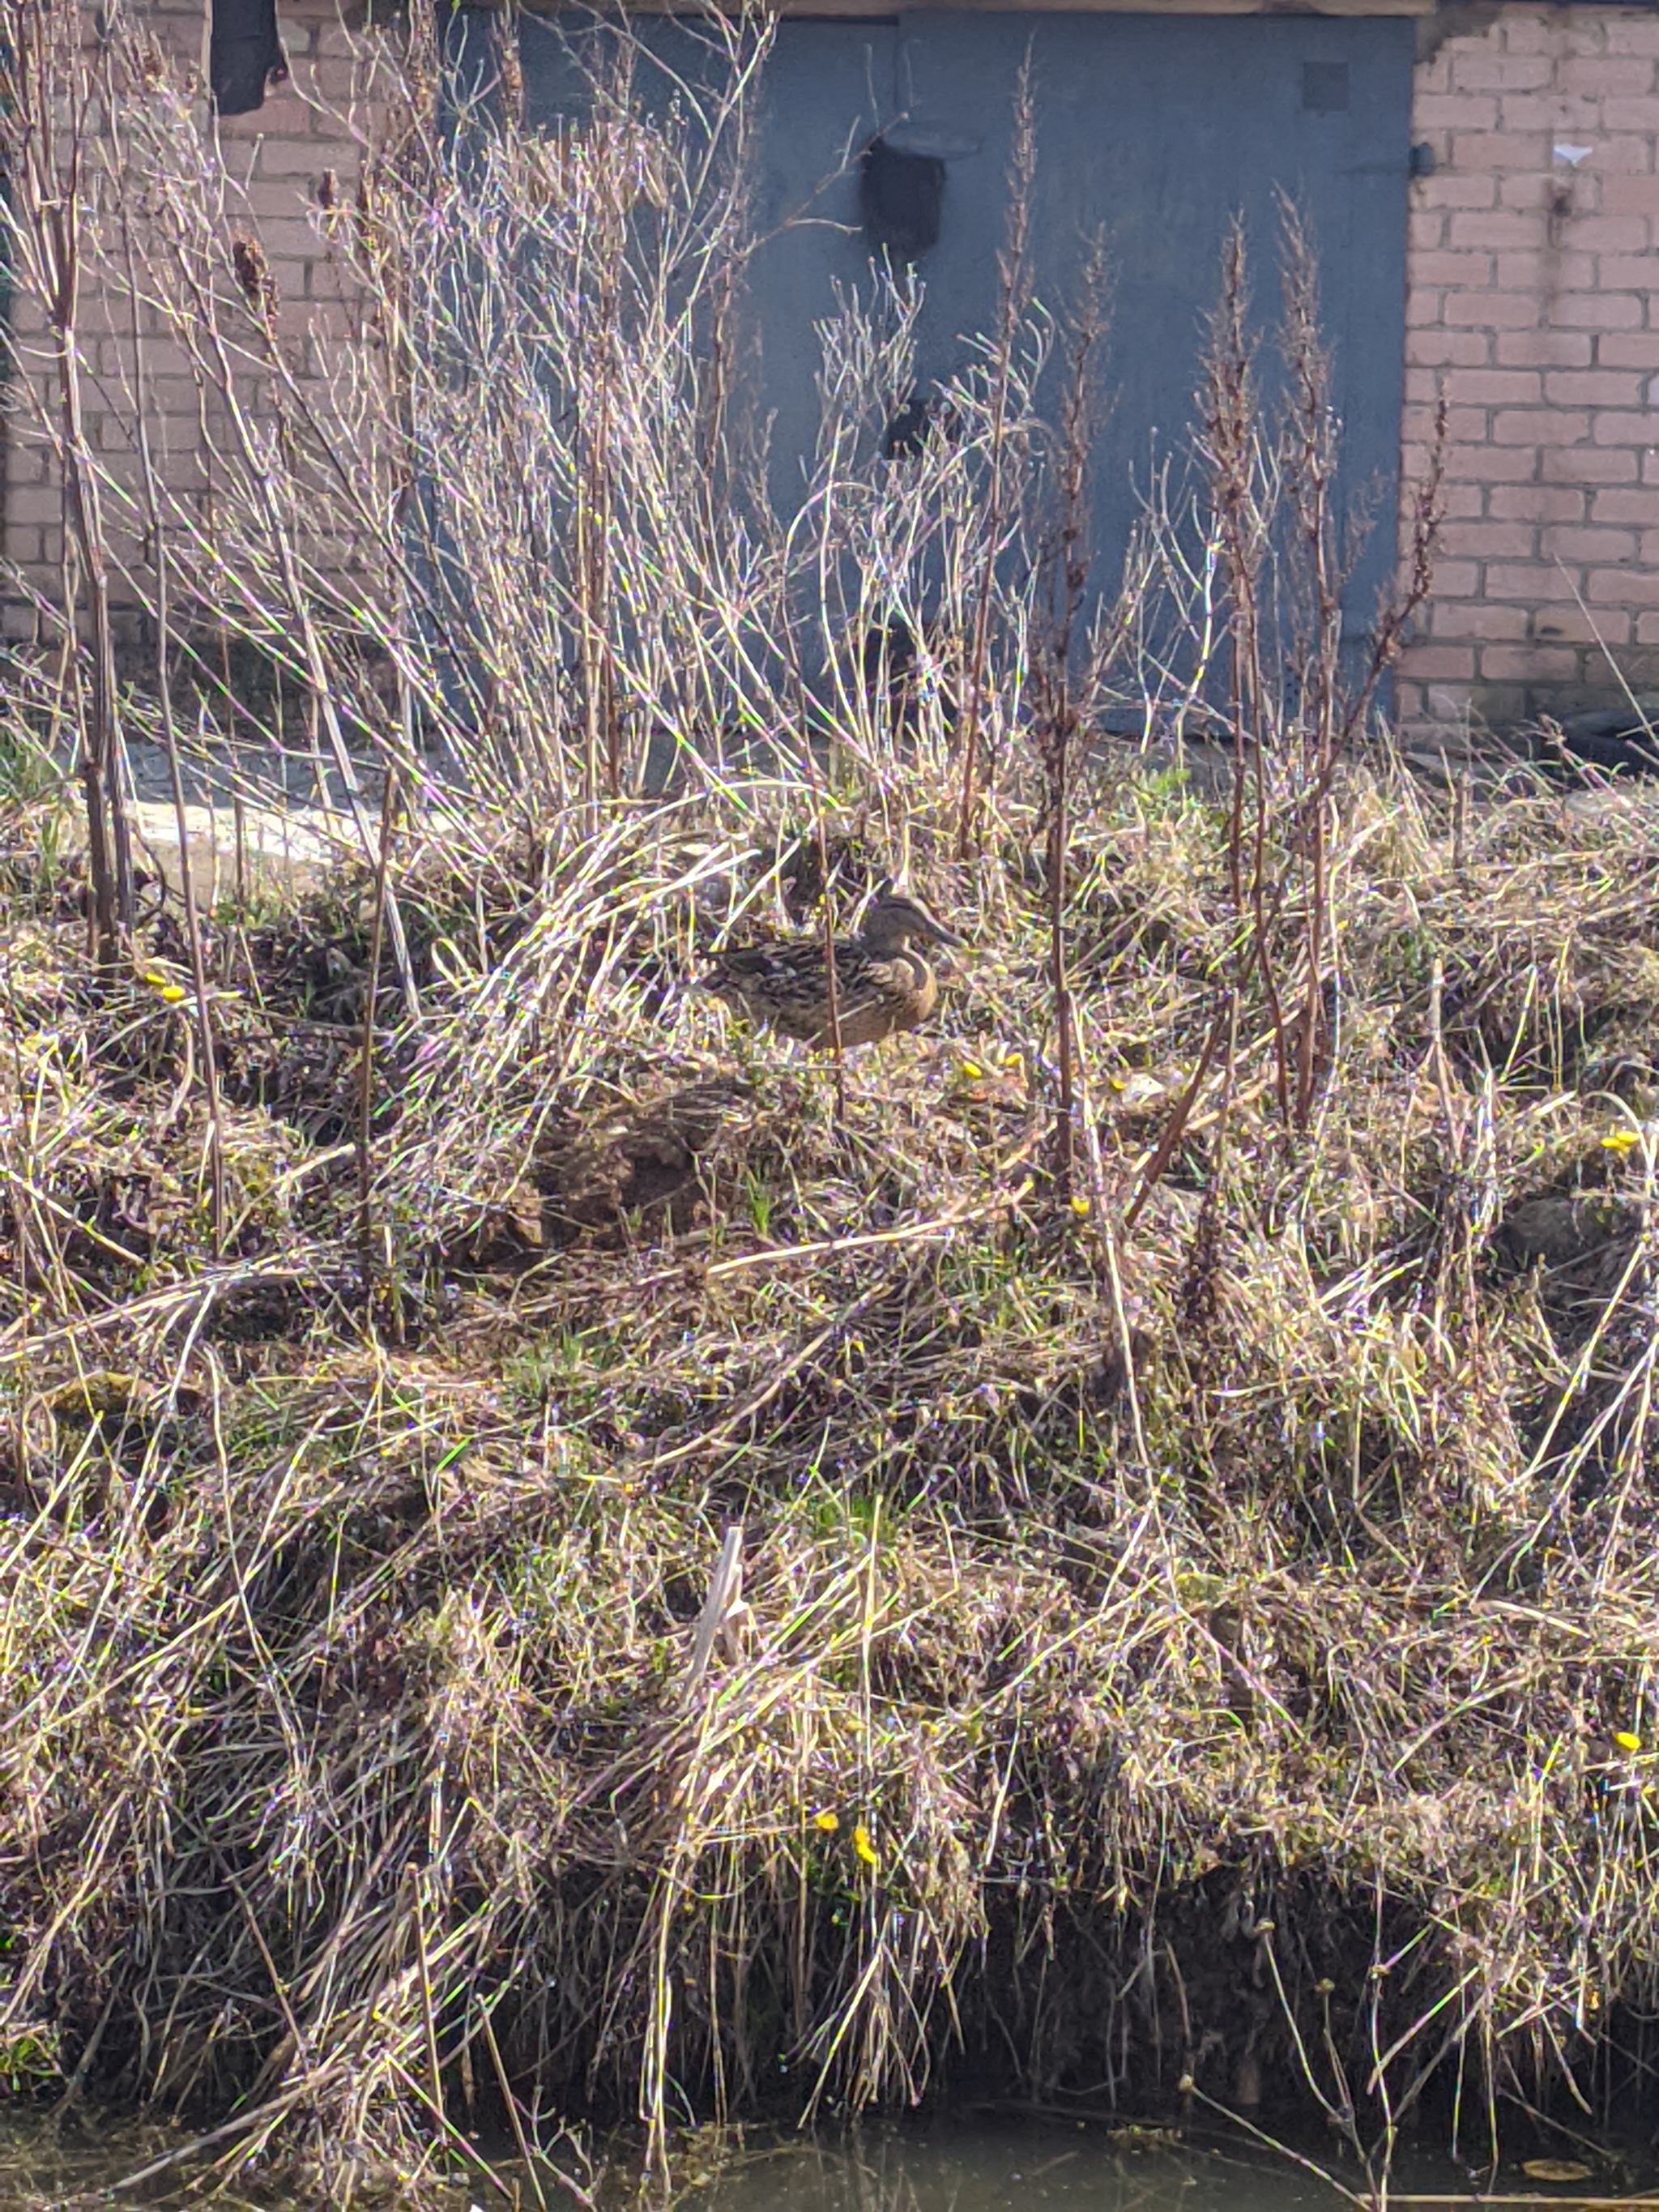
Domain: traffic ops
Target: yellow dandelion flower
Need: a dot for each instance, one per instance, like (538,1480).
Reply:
(1014,1062)
(1080,1207)
(1626,1741)
(972,1070)
(826,1822)
(864,1847)
(172,992)
(1621,1140)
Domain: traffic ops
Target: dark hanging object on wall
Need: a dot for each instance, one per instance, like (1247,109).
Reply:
(901,197)
(245,55)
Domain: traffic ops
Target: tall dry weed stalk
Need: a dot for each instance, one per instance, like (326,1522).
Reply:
(150,499)
(1014,292)
(48,131)
(1299,695)
(1058,708)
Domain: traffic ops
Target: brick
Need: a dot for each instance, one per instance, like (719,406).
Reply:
(1589,464)
(1622,587)
(1584,311)
(1647,630)
(1630,195)
(1592,387)
(1495,149)
(1480,623)
(1472,271)
(1618,505)
(1621,272)
(1620,113)
(1649,548)
(1499,464)
(1448,188)
(1425,229)
(1493,230)
(1635,349)
(1527,31)
(1527,664)
(1572,545)
(1461,502)
(1632,34)
(270,199)
(1623,156)
(1527,580)
(34,503)
(1439,348)
(1539,426)
(1457,580)
(1533,188)
(1452,111)
(333,319)
(1627,74)
(1571,625)
(283,115)
(1615,429)
(1546,272)
(173,397)
(1534,110)
(1479,69)
(28,464)
(1545,349)
(1499,311)
(1483,541)
(1540,504)
(1600,233)
(1494,387)
(1465,426)
(1446,663)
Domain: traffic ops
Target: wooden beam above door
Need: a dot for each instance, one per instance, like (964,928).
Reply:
(852,10)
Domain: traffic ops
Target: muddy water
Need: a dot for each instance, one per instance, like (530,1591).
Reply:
(956,2165)
(953,2164)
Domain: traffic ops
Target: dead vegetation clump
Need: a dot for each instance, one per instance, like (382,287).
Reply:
(560,1557)
(351,1600)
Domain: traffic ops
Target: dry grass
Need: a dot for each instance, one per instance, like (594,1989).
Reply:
(349,1618)
(1192,1621)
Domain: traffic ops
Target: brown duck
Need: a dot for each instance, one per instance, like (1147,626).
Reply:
(882,983)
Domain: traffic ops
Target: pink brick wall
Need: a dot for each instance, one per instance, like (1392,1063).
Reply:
(268,169)
(1533,307)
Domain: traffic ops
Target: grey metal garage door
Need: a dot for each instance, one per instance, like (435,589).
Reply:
(1157,128)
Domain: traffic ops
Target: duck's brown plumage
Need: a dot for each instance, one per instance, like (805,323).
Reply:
(882,983)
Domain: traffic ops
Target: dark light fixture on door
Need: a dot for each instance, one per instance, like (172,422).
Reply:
(901,198)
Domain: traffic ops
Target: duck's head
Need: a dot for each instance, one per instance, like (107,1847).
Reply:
(896,916)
